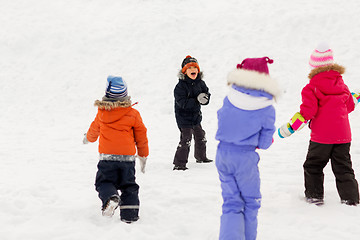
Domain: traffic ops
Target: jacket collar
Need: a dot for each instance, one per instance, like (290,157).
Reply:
(183,77)
(254,80)
(248,102)
(109,105)
(334,67)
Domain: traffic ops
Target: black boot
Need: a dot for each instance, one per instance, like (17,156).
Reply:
(180,168)
(350,202)
(206,160)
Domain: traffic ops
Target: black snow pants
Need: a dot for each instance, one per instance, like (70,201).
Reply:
(119,175)
(183,149)
(317,158)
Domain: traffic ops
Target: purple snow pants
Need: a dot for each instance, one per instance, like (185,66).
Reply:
(240,183)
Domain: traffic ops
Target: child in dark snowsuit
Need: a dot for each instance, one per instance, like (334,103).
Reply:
(190,93)
(326,103)
(122,134)
(245,123)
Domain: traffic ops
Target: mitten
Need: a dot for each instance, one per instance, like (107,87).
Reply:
(296,123)
(356,97)
(85,141)
(203,98)
(142,163)
(285,130)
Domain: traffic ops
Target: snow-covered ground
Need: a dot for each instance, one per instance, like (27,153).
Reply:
(54,60)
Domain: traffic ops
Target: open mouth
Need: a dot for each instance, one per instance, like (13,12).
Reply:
(193,74)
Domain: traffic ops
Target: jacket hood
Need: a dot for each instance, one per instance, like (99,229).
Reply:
(254,80)
(249,99)
(328,79)
(109,105)
(112,112)
(335,67)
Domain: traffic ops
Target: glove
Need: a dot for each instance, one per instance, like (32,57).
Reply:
(296,123)
(203,98)
(142,163)
(356,97)
(85,141)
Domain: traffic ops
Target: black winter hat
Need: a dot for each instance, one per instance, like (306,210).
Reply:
(188,62)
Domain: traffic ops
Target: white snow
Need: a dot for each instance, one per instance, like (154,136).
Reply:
(54,60)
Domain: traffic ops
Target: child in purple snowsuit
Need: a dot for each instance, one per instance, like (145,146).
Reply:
(245,123)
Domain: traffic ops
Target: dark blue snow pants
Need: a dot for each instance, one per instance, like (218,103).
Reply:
(119,175)
(240,183)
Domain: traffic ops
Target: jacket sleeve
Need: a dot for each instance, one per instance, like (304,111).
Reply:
(183,99)
(309,106)
(205,89)
(350,104)
(141,137)
(267,131)
(94,130)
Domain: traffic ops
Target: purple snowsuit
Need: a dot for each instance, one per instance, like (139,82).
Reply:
(245,122)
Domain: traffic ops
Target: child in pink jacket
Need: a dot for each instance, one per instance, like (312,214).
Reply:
(326,103)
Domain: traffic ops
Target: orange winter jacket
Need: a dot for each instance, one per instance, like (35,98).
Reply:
(120,128)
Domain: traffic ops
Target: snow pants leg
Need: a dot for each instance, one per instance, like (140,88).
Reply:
(183,149)
(116,175)
(200,143)
(240,184)
(317,158)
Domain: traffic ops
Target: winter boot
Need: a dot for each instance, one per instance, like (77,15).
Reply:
(349,202)
(316,201)
(180,168)
(110,206)
(206,160)
(130,221)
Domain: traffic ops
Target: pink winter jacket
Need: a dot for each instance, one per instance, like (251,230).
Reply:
(326,102)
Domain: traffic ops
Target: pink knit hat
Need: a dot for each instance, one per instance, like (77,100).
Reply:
(321,56)
(256,64)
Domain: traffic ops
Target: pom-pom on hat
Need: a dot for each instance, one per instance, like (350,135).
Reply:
(321,56)
(116,87)
(256,64)
(189,61)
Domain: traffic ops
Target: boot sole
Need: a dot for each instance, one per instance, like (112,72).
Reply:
(110,209)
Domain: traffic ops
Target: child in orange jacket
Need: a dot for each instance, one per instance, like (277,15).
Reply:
(121,133)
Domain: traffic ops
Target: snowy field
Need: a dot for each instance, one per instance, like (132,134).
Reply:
(54,60)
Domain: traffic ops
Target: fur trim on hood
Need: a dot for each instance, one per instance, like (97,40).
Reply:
(254,80)
(335,67)
(182,75)
(109,105)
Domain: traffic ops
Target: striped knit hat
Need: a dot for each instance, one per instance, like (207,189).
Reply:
(116,87)
(321,56)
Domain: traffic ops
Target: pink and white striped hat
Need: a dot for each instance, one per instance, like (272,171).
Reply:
(321,56)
